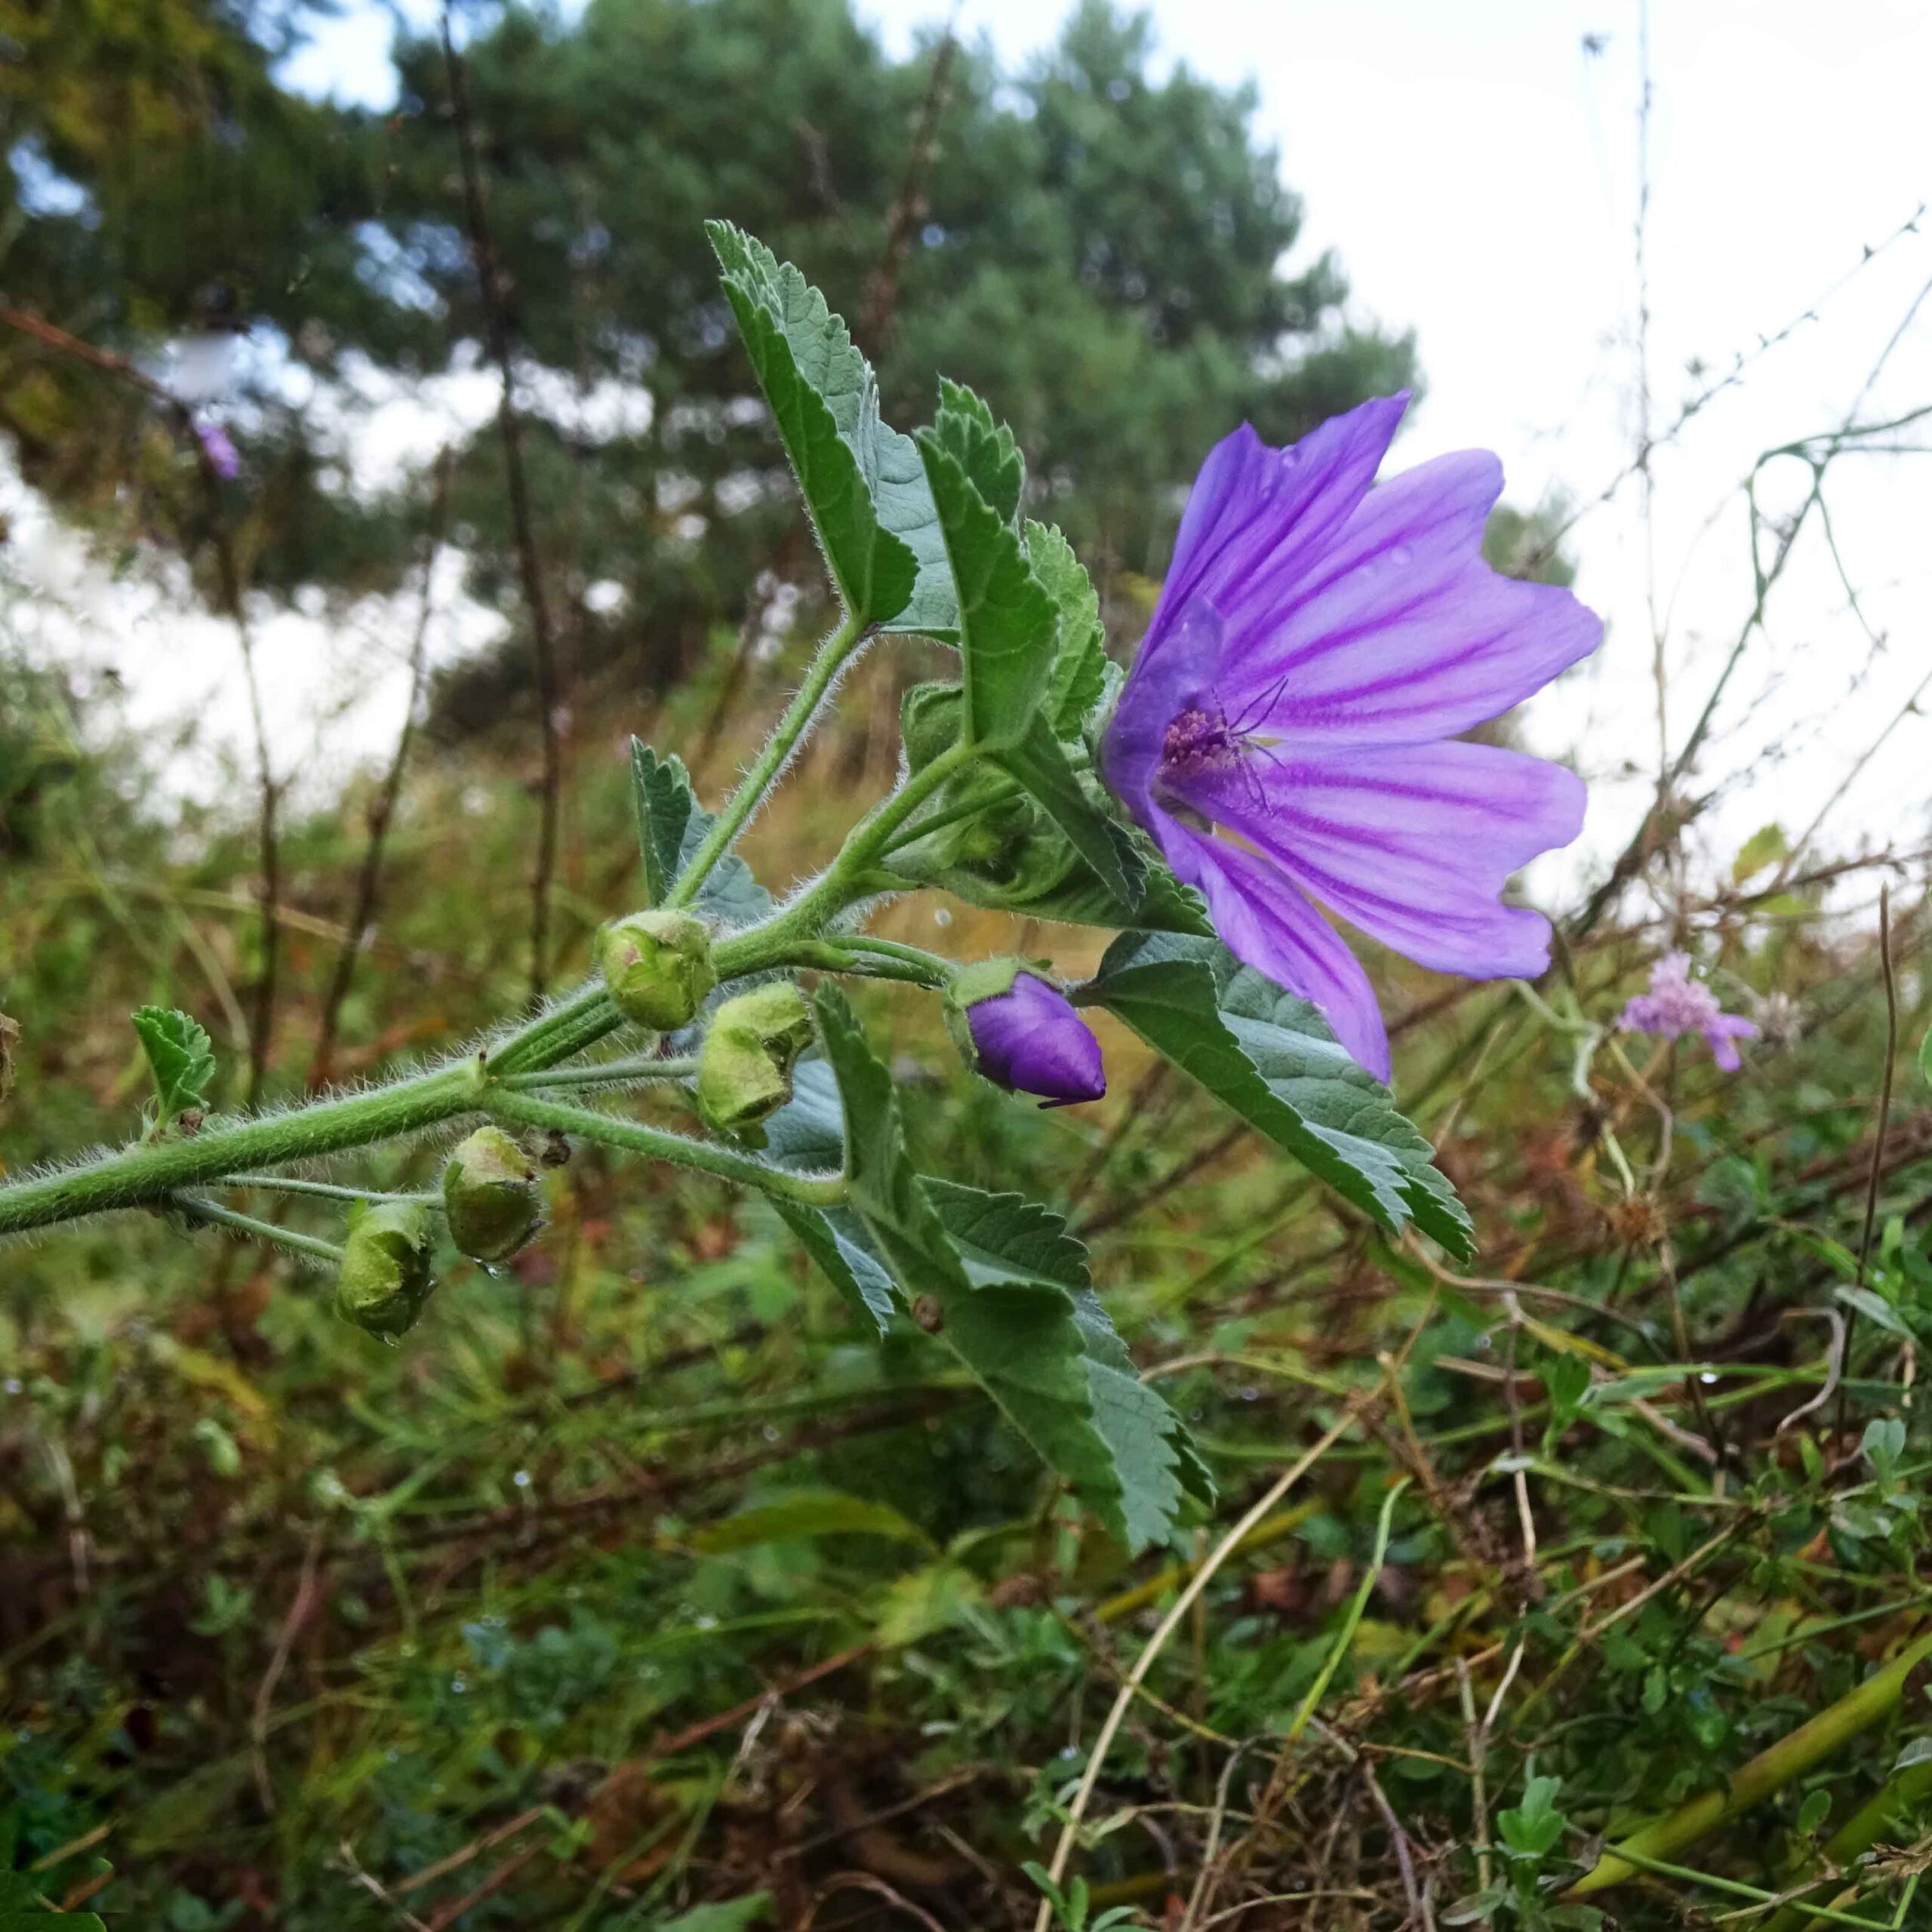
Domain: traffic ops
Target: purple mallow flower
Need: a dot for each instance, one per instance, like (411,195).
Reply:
(1320,640)
(1676,1004)
(219,450)
(1030,1039)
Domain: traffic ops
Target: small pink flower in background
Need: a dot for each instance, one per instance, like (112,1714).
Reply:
(221,452)
(1676,1004)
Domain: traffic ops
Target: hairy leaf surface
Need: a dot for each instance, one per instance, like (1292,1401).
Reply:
(1271,1057)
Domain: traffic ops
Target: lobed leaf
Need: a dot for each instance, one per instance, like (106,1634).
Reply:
(180,1057)
(671,827)
(1271,1057)
(1007,622)
(661,792)
(983,447)
(808,1136)
(1080,658)
(1013,1304)
(863,484)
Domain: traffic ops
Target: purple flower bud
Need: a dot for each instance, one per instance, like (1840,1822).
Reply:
(1030,1039)
(221,452)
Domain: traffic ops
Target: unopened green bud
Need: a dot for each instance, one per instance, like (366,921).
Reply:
(658,967)
(744,1068)
(385,1277)
(930,717)
(490,1196)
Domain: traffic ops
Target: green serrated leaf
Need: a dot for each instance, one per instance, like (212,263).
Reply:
(1271,1058)
(1077,895)
(808,1136)
(1080,658)
(985,448)
(1040,763)
(661,792)
(180,1055)
(863,483)
(1046,1356)
(1005,1238)
(1008,623)
(671,825)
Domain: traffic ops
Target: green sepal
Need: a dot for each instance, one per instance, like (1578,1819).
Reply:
(929,721)
(658,967)
(491,1199)
(384,1279)
(752,1043)
(984,979)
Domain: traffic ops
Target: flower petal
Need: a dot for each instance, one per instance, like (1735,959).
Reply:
(1399,632)
(1266,924)
(1256,515)
(1254,507)
(1414,846)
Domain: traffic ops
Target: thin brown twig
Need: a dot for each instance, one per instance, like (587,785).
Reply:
(299,1611)
(509,425)
(908,205)
(368,884)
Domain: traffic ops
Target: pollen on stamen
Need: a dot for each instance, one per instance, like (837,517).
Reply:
(1200,740)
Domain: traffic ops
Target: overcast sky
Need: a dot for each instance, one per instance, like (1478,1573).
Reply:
(1476,167)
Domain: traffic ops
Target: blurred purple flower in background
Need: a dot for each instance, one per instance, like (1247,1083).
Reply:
(221,452)
(1319,641)
(1676,1004)
(1029,1038)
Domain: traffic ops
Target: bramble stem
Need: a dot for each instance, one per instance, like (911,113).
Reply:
(832,655)
(633,1137)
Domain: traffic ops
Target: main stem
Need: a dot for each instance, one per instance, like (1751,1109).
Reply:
(144,1174)
(825,667)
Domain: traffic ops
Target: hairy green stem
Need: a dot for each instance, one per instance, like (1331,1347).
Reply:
(213,1215)
(567,1029)
(633,1137)
(326,1190)
(850,876)
(142,1174)
(825,667)
(637,1070)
